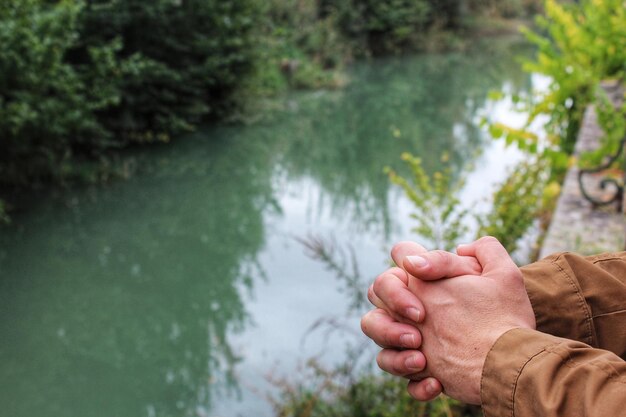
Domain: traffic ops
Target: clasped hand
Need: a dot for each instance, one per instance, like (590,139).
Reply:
(438,314)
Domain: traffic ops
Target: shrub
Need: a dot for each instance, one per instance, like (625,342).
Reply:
(81,79)
(344,392)
(584,44)
(183,61)
(378,27)
(439,214)
(48,106)
(516,205)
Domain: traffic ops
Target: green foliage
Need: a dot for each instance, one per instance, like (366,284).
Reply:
(582,44)
(613,122)
(392,26)
(516,204)
(506,8)
(383,26)
(78,80)
(586,43)
(48,106)
(340,392)
(343,263)
(299,48)
(183,59)
(4,217)
(439,216)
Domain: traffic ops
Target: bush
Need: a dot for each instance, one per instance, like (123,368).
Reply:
(439,214)
(48,106)
(584,44)
(183,61)
(516,205)
(343,392)
(79,80)
(301,48)
(380,27)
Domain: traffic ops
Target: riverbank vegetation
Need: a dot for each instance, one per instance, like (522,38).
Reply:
(342,393)
(82,80)
(578,47)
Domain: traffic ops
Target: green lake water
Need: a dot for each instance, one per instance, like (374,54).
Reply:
(178,291)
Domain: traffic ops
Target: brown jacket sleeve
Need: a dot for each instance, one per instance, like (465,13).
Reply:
(573,364)
(532,374)
(581,298)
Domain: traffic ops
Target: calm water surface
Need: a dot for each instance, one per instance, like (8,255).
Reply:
(177,292)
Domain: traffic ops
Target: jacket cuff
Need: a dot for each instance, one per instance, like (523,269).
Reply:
(503,366)
(556,278)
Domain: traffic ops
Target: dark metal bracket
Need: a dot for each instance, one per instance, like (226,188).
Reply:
(605,183)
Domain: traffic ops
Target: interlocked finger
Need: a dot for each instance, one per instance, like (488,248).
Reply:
(425,390)
(386,332)
(405,363)
(391,293)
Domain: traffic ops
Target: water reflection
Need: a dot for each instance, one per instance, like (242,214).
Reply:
(425,104)
(123,300)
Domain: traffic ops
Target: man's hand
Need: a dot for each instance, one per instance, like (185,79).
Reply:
(466,315)
(392,325)
(390,290)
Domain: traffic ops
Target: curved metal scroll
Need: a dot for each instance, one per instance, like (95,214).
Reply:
(605,182)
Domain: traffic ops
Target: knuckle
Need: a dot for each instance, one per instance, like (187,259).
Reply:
(397,366)
(489,240)
(373,325)
(383,283)
(387,337)
(380,360)
(517,273)
(396,270)
(378,284)
(397,248)
(418,339)
(476,266)
(439,257)
(513,273)
(365,322)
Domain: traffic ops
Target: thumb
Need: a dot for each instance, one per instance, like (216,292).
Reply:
(492,256)
(434,265)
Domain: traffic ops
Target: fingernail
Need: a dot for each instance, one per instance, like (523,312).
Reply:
(407,340)
(411,363)
(413,314)
(431,387)
(416,261)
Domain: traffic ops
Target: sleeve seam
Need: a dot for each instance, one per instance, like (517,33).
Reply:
(571,363)
(608,313)
(609,258)
(519,372)
(583,304)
